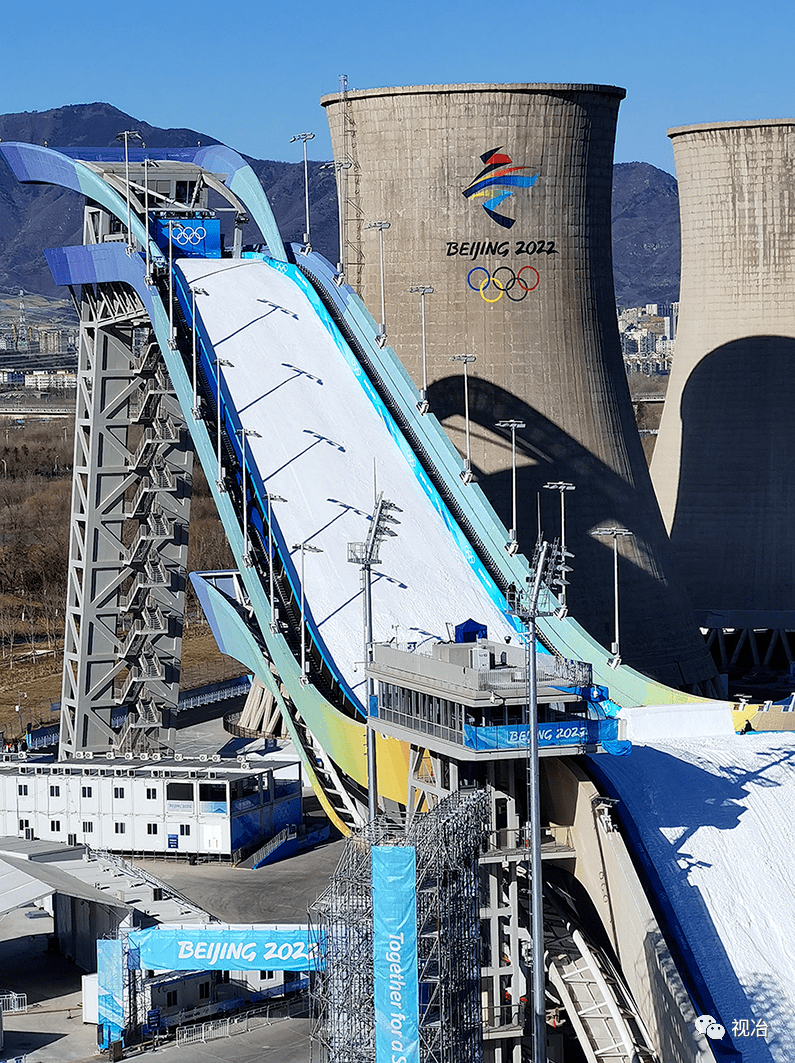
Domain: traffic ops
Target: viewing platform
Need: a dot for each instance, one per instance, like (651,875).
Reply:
(470,699)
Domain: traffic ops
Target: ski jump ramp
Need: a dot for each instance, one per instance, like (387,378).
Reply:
(310,419)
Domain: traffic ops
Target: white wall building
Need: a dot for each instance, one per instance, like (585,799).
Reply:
(167,806)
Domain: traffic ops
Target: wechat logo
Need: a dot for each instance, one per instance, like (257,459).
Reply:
(711,1027)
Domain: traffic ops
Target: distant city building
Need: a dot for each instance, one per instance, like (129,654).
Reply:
(44,380)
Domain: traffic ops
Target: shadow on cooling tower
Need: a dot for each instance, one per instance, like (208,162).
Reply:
(735,508)
(657,628)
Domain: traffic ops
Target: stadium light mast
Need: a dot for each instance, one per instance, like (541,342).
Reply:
(304,548)
(243,433)
(195,411)
(304,137)
(366,555)
(422,290)
(526,607)
(125,136)
(274,625)
(512,546)
(148,275)
(467,475)
(381,226)
(617,533)
(338,167)
(219,363)
(562,487)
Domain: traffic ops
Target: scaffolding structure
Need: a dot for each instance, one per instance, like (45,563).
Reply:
(448,842)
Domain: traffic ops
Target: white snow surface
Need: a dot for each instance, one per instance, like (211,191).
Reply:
(319,433)
(717,817)
(650,724)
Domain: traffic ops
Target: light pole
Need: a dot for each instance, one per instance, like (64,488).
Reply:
(172,335)
(562,487)
(422,290)
(338,167)
(243,432)
(512,546)
(528,612)
(195,411)
(304,547)
(148,275)
(304,137)
(219,363)
(366,555)
(18,708)
(617,533)
(381,226)
(467,475)
(125,136)
(274,625)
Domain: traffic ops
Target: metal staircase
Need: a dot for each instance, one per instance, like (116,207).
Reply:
(597,1002)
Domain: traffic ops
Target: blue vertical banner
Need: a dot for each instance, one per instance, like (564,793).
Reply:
(110,990)
(396,984)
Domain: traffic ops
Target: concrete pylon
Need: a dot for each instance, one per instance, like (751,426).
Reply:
(498,196)
(723,465)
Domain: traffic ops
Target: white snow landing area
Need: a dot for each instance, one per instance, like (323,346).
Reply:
(717,817)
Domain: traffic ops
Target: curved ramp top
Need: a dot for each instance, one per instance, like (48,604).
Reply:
(322,435)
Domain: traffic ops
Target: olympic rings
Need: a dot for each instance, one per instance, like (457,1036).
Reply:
(503,287)
(187,235)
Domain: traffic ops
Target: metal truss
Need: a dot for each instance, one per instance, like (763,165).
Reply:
(447,843)
(128,533)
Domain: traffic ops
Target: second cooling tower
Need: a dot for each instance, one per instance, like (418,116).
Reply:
(723,465)
(498,197)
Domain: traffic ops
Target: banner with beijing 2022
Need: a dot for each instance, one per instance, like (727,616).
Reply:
(397,1038)
(224,947)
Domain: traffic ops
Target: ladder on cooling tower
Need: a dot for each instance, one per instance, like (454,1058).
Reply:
(597,1003)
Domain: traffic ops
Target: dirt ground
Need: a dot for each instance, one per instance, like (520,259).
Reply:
(35,685)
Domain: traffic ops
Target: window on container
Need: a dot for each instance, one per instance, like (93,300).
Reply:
(86,791)
(151,793)
(171,998)
(265,975)
(88,827)
(55,826)
(23,789)
(184,191)
(212,791)
(204,990)
(179,791)
(151,828)
(249,786)
(55,791)
(118,791)
(119,828)
(24,824)
(184,829)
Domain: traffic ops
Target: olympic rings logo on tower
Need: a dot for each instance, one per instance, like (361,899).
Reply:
(503,280)
(188,234)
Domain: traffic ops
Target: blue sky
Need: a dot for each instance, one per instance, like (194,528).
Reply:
(251,74)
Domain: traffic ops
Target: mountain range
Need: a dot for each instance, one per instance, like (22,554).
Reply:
(645,205)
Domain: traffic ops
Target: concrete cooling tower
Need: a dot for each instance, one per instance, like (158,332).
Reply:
(498,197)
(723,466)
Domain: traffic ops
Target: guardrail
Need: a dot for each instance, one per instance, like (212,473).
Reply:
(13,1002)
(43,737)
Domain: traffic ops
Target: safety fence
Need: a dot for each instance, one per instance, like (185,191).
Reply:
(13,1002)
(215,1029)
(45,737)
